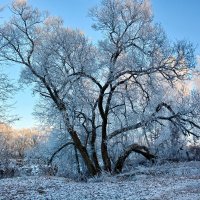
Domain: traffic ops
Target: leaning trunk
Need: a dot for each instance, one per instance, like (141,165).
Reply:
(132,148)
(77,160)
(82,150)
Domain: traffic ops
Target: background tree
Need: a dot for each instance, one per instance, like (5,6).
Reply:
(7,90)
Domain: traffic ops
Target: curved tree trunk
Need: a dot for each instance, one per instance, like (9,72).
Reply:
(58,150)
(132,148)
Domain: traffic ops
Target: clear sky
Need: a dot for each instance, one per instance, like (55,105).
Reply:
(180,19)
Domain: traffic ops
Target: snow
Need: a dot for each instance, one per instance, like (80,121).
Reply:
(177,181)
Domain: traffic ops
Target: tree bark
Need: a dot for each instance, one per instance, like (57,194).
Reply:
(77,160)
(104,148)
(93,140)
(132,148)
(83,151)
(94,153)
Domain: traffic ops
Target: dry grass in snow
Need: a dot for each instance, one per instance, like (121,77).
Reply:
(166,182)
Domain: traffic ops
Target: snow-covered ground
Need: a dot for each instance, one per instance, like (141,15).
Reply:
(169,181)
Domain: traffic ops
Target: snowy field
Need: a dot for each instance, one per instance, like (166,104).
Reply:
(169,181)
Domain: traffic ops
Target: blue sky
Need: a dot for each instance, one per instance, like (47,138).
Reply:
(180,19)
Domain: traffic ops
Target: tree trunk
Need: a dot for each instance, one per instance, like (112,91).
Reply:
(104,149)
(132,148)
(93,140)
(94,153)
(77,160)
(82,150)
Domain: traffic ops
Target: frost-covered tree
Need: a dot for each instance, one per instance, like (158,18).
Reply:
(7,90)
(102,94)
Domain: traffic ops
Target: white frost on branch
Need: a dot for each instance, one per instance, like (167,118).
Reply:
(19,3)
